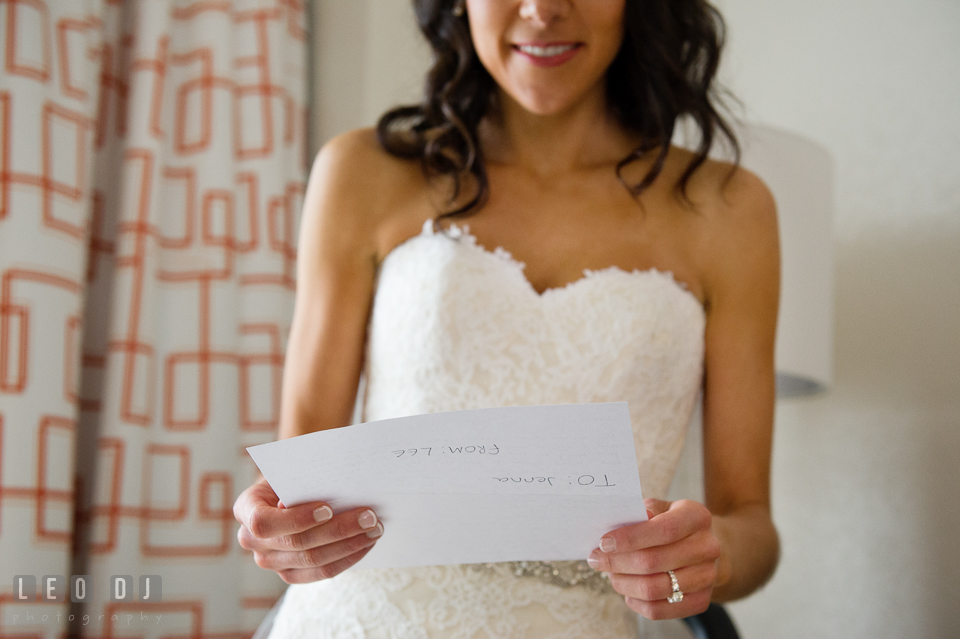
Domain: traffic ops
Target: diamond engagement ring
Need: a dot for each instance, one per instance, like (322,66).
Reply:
(677,595)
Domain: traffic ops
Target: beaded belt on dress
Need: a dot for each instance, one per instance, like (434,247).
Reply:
(565,574)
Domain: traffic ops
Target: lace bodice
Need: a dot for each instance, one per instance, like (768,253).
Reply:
(456,326)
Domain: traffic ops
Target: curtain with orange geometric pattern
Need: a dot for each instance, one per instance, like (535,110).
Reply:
(152,158)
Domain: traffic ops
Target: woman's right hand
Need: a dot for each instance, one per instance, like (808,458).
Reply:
(304,543)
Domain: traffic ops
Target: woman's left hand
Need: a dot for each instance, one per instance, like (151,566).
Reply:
(679,537)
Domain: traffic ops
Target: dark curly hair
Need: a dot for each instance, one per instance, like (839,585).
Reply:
(664,70)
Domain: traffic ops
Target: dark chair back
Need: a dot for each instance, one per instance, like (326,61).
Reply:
(714,623)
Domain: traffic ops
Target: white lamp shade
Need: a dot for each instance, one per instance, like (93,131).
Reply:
(800,173)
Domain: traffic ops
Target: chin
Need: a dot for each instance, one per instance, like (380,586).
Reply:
(545,106)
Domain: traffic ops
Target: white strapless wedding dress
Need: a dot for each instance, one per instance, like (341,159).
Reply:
(456,326)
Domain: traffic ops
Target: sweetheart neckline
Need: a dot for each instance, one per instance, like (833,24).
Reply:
(456,233)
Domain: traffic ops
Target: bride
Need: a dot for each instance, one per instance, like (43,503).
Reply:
(529,235)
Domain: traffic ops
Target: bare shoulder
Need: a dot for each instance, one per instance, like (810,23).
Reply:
(744,211)
(355,185)
(359,150)
(745,199)
(739,240)
(729,193)
(361,171)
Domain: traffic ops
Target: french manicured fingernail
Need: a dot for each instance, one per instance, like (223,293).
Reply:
(322,514)
(367,519)
(608,544)
(593,561)
(376,532)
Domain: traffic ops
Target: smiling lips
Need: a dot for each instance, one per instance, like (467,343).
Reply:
(548,54)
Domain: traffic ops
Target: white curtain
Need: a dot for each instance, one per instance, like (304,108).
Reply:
(151,170)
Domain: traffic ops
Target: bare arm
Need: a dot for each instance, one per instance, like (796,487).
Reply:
(728,547)
(335,272)
(740,389)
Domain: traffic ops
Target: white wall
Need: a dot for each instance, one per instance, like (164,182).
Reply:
(370,56)
(866,477)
